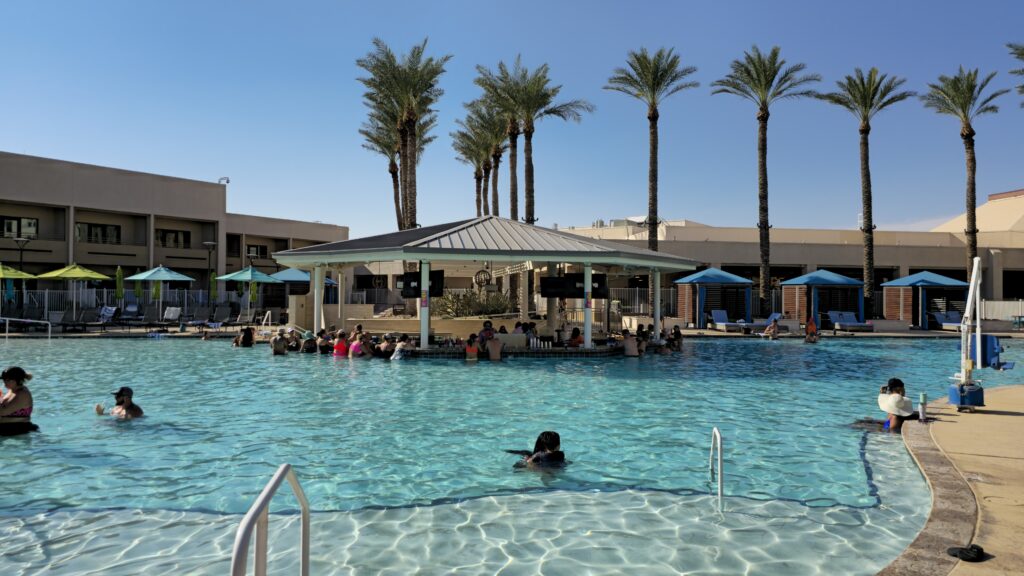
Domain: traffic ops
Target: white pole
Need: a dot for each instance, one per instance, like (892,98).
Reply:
(318,297)
(552,303)
(657,303)
(424,304)
(977,321)
(588,306)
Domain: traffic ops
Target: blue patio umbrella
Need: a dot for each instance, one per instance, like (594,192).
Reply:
(296,276)
(250,276)
(160,274)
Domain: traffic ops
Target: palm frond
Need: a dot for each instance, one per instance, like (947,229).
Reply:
(961,96)
(651,78)
(866,95)
(765,78)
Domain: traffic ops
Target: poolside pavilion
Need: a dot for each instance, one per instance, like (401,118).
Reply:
(811,293)
(491,240)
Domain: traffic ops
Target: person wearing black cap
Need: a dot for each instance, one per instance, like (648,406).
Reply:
(16,403)
(124,407)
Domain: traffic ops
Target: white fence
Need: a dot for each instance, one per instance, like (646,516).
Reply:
(41,302)
(1001,309)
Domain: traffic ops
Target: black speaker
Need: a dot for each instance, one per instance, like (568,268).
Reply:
(553,287)
(598,286)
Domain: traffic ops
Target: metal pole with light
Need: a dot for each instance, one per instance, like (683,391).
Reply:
(21,242)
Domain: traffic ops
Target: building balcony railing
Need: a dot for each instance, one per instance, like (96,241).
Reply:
(34,237)
(109,242)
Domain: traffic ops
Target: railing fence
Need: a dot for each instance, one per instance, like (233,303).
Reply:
(1001,309)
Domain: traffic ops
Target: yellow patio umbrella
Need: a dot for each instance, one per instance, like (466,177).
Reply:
(8,273)
(73,273)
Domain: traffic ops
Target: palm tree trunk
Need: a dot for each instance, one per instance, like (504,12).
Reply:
(411,145)
(483,192)
(477,177)
(528,172)
(762,208)
(496,162)
(967,133)
(868,225)
(513,179)
(393,170)
(652,182)
(403,143)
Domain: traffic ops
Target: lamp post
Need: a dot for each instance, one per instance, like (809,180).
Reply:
(209,266)
(21,242)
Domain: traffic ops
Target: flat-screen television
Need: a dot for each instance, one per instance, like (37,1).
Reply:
(411,284)
(554,287)
(574,286)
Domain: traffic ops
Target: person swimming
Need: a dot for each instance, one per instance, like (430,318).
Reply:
(547,452)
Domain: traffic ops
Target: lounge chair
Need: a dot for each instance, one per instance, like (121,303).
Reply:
(949,321)
(148,318)
(172,317)
(199,317)
(760,326)
(85,317)
(107,317)
(847,322)
(245,318)
(720,321)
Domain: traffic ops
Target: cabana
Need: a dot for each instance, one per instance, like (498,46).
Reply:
(486,239)
(713,289)
(933,296)
(819,291)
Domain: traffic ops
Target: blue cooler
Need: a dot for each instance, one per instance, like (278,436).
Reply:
(966,397)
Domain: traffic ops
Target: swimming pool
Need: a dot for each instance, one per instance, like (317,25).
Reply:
(403,462)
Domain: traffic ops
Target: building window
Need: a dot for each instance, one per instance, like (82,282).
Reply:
(234,247)
(15,227)
(173,238)
(97,233)
(256,250)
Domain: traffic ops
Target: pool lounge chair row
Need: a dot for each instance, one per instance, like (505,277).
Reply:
(847,322)
(720,321)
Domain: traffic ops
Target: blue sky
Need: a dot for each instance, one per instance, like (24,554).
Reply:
(266,93)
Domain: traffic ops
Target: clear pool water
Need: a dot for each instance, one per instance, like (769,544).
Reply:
(404,466)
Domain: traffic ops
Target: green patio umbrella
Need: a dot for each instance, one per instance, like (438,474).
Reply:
(160,274)
(119,284)
(252,276)
(10,275)
(73,272)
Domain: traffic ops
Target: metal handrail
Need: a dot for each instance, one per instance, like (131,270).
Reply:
(716,441)
(7,326)
(258,517)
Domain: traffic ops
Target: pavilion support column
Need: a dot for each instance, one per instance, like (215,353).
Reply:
(318,298)
(524,295)
(588,306)
(552,304)
(656,274)
(424,304)
(341,296)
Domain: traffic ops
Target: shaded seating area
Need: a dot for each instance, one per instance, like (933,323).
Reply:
(807,296)
(716,294)
(926,300)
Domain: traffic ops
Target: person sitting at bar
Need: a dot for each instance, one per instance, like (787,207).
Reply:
(493,347)
(576,339)
(629,345)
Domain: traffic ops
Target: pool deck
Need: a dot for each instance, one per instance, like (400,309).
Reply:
(974,463)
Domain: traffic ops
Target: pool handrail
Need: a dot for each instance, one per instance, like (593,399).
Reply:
(716,441)
(7,326)
(258,517)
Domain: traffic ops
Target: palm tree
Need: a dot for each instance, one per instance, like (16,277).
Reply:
(535,101)
(489,128)
(960,96)
(403,89)
(764,79)
(865,96)
(1017,50)
(468,152)
(500,91)
(382,137)
(651,79)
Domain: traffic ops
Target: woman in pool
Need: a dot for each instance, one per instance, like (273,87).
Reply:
(245,339)
(341,345)
(576,340)
(547,452)
(893,401)
(472,350)
(16,403)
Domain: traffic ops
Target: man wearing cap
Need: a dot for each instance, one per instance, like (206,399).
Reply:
(124,407)
(279,343)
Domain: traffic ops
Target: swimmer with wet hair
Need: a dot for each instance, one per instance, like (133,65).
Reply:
(547,452)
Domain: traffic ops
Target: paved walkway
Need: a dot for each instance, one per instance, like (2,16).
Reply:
(987,447)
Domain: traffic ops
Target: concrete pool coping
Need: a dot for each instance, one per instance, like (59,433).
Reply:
(954,520)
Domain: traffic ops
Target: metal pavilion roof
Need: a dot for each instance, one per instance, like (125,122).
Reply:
(486,238)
